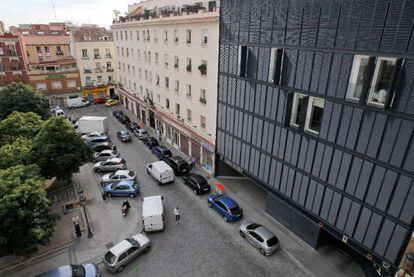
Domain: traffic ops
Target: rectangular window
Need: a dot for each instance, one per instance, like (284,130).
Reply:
(202,122)
(242,60)
(314,114)
(71,83)
(204,36)
(41,86)
(96,53)
(188,33)
(381,80)
(166,59)
(155,36)
(39,50)
(167,103)
(175,36)
(307,113)
(126,35)
(158,98)
(357,77)
(165,36)
(189,115)
(177,109)
(139,54)
(127,52)
(56,85)
(176,62)
(275,65)
(188,67)
(157,79)
(203,96)
(177,85)
(122,51)
(130,34)
(137,35)
(108,53)
(167,82)
(203,67)
(188,94)
(47,49)
(297,109)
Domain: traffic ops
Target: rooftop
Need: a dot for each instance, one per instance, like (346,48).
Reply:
(91,33)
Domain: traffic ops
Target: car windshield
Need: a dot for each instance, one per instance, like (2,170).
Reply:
(235,210)
(134,186)
(167,152)
(253,226)
(200,180)
(77,270)
(109,257)
(133,242)
(272,241)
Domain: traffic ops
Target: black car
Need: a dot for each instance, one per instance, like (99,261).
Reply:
(123,119)
(124,136)
(132,126)
(178,164)
(117,113)
(151,142)
(197,183)
(103,146)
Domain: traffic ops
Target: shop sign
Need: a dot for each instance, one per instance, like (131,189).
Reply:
(232,165)
(56,76)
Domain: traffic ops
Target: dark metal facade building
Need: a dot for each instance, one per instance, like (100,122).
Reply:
(316,104)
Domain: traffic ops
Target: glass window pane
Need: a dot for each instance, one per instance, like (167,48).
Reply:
(297,107)
(381,81)
(315,112)
(357,77)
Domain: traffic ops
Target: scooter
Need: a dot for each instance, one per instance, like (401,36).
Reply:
(124,210)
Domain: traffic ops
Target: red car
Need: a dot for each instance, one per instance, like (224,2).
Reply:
(99,101)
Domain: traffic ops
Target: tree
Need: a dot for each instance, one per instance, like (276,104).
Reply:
(22,98)
(24,211)
(58,150)
(18,152)
(18,124)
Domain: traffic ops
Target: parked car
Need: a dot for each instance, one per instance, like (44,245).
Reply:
(161,152)
(92,135)
(77,102)
(110,165)
(123,188)
(123,118)
(124,136)
(141,134)
(225,206)
(261,237)
(161,172)
(116,113)
(151,142)
(96,140)
(99,101)
(119,175)
(103,146)
(86,270)
(111,102)
(105,154)
(197,183)
(52,109)
(124,252)
(132,126)
(178,164)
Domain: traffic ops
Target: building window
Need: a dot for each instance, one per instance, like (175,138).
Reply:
(167,82)
(130,35)
(307,112)
(188,94)
(156,57)
(203,96)
(122,51)
(116,35)
(155,36)
(126,35)
(133,70)
(157,79)
(166,59)
(139,54)
(177,86)
(167,103)
(39,50)
(177,109)
(165,36)
(71,83)
(204,36)
(47,49)
(58,49)
(381,81)
(132,53)
(175,36)
(202,122)
(1,51)
(127,51)
(158,98)
(189,115)
(140,73)
(149,56)
(297,108)
(96,54)
(203,67)
(108,53)
(120,33)
(242,59)
(148,36)
(188,67)
(176,62)
(117,50)
(110,79)
(188,32)
(41,86)
(99,79)
(137,34)
(56,85)
(275,65)
(145,56)
(146,75)
(357,77)
(87,38)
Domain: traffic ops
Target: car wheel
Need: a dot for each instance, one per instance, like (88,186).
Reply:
(262,252)
(120,269)
(242,234)
(131,195)
(226,218)
(209,204)
(195,192)
(98,170)
(146,249)
(108,194)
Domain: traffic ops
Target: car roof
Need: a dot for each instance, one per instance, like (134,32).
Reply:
(198,178)
(178,159)
(120,247)
(161,165)
(107,151)
(162,147)
(117,160)
(123,172)
(153,205)
(264,232)
(123,182)
(227,201)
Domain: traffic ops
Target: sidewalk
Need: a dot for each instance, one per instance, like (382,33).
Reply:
(326,261)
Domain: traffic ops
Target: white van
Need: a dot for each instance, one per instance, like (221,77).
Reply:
(77,102)
(161,172)
(59,112)
(153,213)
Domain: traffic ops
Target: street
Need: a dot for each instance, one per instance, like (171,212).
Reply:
(201,245)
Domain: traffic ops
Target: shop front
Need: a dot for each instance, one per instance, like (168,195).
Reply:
(95,93)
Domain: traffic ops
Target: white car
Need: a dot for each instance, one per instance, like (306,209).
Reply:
(118,176)
(124,252)
(93,135)
(110,165)
(105,154)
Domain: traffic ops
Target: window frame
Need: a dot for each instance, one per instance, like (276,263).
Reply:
(309,112)
(356,64)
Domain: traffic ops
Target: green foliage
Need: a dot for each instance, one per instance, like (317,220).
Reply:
(24,211)
(22,98)
(58,150)
(18,124)
(16,153)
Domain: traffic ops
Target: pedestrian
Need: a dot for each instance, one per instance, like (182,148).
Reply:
(104,197)
(177,215)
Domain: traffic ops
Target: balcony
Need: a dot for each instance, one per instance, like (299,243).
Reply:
(85,57)
(59,53)
(108,56)
(96,57)
(203,100)
(11,52)
(98,70)
(149,101)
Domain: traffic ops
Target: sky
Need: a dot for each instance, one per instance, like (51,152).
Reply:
(14,12)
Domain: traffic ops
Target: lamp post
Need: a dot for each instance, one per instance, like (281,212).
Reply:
(82,200)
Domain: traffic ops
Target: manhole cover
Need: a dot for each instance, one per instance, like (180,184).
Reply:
(109,245)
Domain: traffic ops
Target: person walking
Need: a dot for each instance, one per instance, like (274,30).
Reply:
(177,215)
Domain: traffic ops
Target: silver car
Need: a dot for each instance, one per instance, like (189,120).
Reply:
(105,154)
(261,237)
(92,135)
(110,165)
(118,176)
(124,252)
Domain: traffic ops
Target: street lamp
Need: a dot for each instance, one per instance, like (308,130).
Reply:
(82,200)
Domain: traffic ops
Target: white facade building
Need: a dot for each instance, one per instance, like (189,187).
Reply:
(168,71)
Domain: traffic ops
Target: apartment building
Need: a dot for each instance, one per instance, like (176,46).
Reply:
(167,60)
(12,64)
(50,66)
(316,104)
(94,50)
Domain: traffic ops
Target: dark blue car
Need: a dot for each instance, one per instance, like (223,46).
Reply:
(161,152)
(124,136)
(87,270)
(226,207)
(123,188)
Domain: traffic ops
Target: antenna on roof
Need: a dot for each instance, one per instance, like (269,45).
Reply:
(54,11)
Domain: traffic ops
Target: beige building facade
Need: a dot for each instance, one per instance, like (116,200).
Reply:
(167,62)
(94,50)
